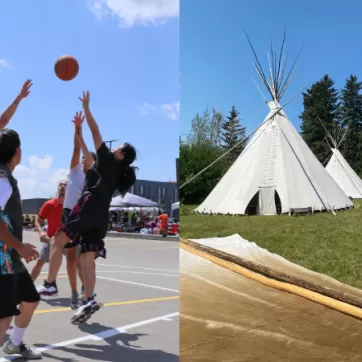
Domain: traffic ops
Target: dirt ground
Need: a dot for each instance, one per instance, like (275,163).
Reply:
(226,317)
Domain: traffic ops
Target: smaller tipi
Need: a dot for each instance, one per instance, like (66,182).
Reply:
(342,172)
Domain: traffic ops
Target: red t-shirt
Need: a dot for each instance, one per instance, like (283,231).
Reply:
(52,211)
(164,220)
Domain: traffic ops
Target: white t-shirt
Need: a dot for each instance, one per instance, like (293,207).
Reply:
(75,186)
(6,191)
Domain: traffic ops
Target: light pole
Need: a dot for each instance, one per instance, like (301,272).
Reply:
(110,143)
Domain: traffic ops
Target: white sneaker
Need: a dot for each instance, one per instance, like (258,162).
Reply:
(24,350)
(48,289)
(85,311)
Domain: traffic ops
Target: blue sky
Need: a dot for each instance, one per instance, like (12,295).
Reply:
(128,53)
(214,53)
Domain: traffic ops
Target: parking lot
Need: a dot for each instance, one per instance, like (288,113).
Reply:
(139,286)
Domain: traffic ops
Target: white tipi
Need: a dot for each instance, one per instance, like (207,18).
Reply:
(276,172)
(342,172)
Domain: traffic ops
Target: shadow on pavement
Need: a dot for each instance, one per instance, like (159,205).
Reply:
(120,347)
(57,302)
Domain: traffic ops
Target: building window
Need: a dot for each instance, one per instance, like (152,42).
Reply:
(141,189)
(163,191)
(175,195)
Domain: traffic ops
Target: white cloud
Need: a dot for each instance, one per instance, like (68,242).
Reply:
(36,162)
(172,111)
(136,12)
(4,63)
(169,110)
(39,178)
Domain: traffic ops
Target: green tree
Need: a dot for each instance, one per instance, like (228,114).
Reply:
(321,103)
(199,150)
(193,159)
(352,119)
(217,121)
(233,133)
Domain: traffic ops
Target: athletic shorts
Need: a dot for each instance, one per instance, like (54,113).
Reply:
(65,218)
(15,289)
(44,254)
(87,225)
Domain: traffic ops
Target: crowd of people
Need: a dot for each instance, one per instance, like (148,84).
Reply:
(78,220)
(144,223)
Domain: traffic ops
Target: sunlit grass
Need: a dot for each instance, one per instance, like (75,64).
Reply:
(322,242)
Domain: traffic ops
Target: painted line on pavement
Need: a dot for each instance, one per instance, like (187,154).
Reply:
(166,247)
(139,267)
(125,272)
(100,336)
(112,304)
(139,284)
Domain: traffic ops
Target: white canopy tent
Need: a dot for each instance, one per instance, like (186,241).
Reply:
(131,200)
(276,172)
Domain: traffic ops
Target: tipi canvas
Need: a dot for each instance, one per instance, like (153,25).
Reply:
(344,175)
(276,172)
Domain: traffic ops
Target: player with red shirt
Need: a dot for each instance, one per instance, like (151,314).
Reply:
(51,211)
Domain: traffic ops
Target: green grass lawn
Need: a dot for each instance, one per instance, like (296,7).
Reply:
(322,242)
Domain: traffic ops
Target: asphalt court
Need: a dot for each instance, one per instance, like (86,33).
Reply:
(138,283)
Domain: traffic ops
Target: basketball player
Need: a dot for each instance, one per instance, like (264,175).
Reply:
(52,212)
(75,185)
(88,222)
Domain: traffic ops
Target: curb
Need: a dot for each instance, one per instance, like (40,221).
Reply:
(345,304)
(143,237)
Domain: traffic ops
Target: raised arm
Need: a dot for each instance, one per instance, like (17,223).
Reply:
(78,138)
(10,111)
(92,124)
(78,120)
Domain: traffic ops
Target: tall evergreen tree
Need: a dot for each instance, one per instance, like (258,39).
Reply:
(352,119)
(321,101)
(233,132)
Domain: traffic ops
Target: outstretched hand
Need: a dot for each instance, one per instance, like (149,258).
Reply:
(85,99)
(78,119)
(25,90)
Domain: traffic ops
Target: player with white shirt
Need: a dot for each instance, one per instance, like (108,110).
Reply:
(75,185)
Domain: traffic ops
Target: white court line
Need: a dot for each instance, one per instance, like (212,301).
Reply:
(139,243)
(126,272)
(99,336)
(165,247)
(139,267)
(139,284)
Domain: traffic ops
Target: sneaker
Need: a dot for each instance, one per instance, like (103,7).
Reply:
(49,289)
(85,311)
(82,291)
(74,301)
(25,351)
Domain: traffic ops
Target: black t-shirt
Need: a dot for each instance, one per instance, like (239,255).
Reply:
(107,169)
(101,180)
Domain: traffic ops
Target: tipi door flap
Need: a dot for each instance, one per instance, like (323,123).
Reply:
(266,201)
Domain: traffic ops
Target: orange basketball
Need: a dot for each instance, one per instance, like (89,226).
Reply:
(66,67)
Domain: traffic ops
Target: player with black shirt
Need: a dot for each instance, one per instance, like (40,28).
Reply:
(88,221)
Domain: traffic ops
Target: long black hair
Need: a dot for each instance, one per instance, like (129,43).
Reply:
(9,143)
(126,177)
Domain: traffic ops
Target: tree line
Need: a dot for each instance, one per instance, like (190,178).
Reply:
(212,134)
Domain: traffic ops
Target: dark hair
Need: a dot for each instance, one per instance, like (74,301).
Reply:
(129,153)
(9,143)
(126,172)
